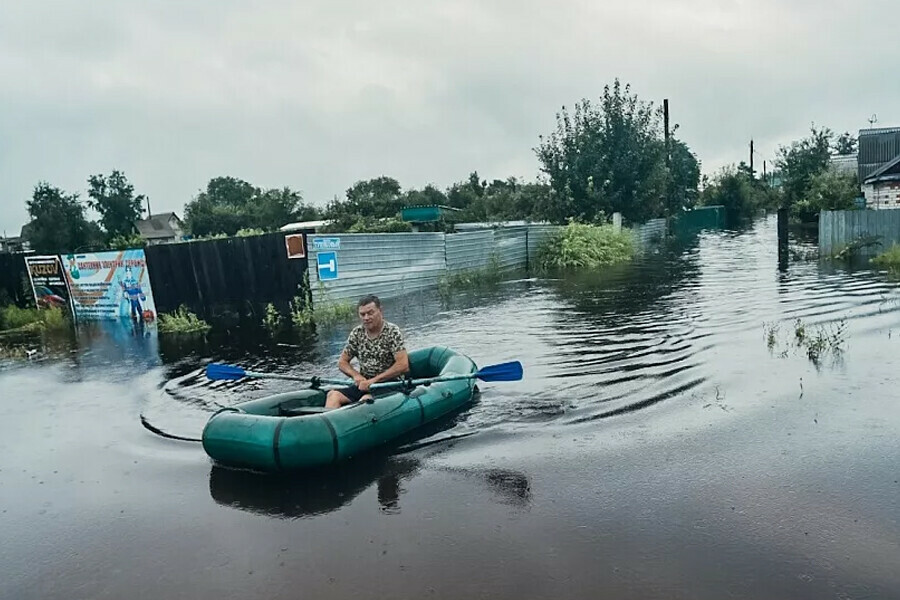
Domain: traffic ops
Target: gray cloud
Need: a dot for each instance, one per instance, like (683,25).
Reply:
(317,95)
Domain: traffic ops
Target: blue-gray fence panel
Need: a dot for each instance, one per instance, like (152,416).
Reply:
(469,250)
(509,243)
(839,228)
(649,233)
(387,264)
(537,234)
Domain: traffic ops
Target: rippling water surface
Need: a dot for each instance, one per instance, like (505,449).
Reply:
(669,440)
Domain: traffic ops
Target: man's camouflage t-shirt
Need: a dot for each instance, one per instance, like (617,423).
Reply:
(375,355)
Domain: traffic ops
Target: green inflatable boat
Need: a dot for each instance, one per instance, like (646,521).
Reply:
(294,430)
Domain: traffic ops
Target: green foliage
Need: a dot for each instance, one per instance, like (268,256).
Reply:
(581,246)
(684,177)
(272,319)
(609,158)
(57,221)
(487,277)
(814,342)
(800,162)
(889,259)
(741,195)
(181,321)
(113,197)
(828,190)
(229,204)
(250,231)
(845,144)
(327,313)
(13,317)
(124,242)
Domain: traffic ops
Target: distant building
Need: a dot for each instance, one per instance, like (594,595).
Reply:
(879,167)
(14,244)
(844,163)
(163,228)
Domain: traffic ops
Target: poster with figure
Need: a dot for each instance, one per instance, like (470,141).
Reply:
(110,285)
(48,282)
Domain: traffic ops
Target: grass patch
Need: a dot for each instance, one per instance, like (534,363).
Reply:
(581,246)
(815,342)
(856,246)
(890,259)
(272,319)
(181,321)
(325,314)
(13,318)
(487,277)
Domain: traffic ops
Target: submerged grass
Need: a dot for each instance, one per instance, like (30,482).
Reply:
(323,314)
(13,318)
(815,342)
(581,246)
(488,277)
(889,259)
(182,321)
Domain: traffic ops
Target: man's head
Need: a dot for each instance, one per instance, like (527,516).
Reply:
(369,308)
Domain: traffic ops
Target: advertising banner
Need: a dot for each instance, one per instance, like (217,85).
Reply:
(48,282)
(110,285)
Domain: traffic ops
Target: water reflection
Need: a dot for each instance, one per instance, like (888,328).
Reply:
(314,492)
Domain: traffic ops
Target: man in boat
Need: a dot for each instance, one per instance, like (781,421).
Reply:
(378,346)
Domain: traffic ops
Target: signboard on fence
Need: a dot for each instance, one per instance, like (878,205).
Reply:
(110,285)
(48,282)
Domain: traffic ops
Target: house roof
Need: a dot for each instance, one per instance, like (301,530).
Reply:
(157,226)
(884,169)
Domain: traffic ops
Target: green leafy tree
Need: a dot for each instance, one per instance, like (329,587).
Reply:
(57,223)
(113,197)
(605,158)
(828,190)
(845,144)
(742,195)
(229,205)
(800,162)
(685,177)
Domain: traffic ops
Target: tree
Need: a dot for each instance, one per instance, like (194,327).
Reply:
(800,162)
(113,197)
(828,190)
(684,177)
(57,221)
(229,205)
(606,158)
(742,195)
(845,144)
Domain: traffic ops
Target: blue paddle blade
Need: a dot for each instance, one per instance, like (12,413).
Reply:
(225,372)
(511,371)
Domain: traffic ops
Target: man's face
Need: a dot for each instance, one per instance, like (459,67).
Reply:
(370,315)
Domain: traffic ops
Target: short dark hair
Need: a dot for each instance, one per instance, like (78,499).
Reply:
(370,299)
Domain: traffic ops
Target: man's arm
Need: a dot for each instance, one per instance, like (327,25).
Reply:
(400,367)
(347,369)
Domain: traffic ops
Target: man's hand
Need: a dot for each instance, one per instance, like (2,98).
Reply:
(364,385)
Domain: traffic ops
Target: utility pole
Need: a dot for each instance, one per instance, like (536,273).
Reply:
(751,160)
(149,214)
(765,178)
(668,155)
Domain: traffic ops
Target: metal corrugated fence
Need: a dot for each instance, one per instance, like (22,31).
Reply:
(469,250)
(392,264)
(839,228)
(387,264)
(649,233)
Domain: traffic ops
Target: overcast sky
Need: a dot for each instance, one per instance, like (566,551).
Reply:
(316,95)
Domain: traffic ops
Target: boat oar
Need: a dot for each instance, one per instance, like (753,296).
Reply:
(219,372)
(509,371)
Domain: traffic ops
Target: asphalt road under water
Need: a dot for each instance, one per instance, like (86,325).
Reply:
(658,447)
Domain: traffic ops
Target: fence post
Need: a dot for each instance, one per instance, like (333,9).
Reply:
(782,239)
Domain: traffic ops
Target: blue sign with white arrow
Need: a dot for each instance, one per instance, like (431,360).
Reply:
(327,264)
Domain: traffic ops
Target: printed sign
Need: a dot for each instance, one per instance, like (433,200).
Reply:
(48,282)
(110,285)
(326,243)
(296,245)
(327,265)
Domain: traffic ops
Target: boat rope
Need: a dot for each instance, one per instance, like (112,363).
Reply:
(162,433)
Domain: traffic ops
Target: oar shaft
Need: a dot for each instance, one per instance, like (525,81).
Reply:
(325,380)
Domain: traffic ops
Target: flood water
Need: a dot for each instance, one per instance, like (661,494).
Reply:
(661,445)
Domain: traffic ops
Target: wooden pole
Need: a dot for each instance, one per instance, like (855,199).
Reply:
(751,160)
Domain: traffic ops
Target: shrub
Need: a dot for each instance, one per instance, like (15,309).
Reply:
(580,246)
(13,317)
(889,259)
(181,321)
